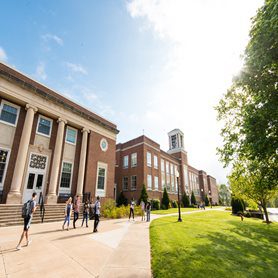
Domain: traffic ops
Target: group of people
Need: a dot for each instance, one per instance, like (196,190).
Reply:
(75,208)
(145,209)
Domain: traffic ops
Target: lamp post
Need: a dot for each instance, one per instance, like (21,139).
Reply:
(179,204)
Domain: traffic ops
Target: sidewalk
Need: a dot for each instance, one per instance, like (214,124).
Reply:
(120,249)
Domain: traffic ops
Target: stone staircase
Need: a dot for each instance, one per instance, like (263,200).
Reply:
(11,214)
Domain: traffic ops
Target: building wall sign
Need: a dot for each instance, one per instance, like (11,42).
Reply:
(104,144)
(38,161)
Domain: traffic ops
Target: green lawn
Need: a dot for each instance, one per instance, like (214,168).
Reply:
(213,244)
(172,210)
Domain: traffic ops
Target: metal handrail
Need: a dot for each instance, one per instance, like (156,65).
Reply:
(42,207)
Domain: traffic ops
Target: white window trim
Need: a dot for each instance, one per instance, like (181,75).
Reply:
(155,166)
(51,121)
(149,164)
(132,189)
(72,128)
(7,163)
(13,105)
(101,192)
(126,167)
(148,186)
(62,189)
(135,165)
(156,178)
(123,183)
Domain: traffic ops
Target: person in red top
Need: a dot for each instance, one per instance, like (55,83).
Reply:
(76,207)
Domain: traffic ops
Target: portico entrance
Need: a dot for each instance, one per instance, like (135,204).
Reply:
(36,173)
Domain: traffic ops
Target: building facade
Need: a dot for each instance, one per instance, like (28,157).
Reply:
(141,161)
(50,144)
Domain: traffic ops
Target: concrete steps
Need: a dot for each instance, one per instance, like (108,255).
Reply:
(11,214)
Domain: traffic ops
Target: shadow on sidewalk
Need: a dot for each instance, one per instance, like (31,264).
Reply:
(48,232)
(73,236)
(10,250)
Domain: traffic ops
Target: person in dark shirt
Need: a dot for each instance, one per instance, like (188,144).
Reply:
(86,209)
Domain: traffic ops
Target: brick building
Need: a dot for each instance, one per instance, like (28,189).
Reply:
(50,144)
(141,161)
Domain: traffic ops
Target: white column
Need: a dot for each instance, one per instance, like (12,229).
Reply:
(14,196)
(82,162)
(52,189)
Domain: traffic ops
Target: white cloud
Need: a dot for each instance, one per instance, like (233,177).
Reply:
(40,71)
(76,68)
(207,39)
(3,55)
(50,37)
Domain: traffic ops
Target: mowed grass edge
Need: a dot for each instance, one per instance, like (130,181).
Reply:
(213,244)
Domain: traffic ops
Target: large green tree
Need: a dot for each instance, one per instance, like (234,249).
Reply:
(249,108)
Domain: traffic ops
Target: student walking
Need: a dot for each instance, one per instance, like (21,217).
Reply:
(148,210)
(142,204)
(131,210)
(68,209)
(28,210)
(97,214)
(76,207)
(86,210)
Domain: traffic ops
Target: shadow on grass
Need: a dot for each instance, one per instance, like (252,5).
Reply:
(243,250)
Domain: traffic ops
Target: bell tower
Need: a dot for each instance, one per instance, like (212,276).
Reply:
(176,141)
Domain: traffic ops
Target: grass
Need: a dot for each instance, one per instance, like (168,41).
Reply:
(213,244)
(172,210)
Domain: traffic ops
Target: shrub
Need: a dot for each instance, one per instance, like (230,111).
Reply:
(155,204)
(185,200)
(122,200)
(144,195)
(165,199)
(206,201)
(193,199)
(174,204)
(238,205)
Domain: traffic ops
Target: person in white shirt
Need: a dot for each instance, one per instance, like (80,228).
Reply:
(131,211)
(142,204)
(97,214)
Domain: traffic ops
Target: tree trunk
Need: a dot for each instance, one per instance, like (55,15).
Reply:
(265,213)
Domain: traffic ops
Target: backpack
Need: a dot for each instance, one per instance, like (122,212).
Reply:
(26,209)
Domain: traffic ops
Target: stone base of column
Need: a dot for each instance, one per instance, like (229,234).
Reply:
(14,198)
(51,199)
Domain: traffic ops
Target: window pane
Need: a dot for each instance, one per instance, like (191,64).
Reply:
(149,182)
(44,126)
(39,182)
(3,160)
(134,160)
(8,114)
(66,175)
(71,135)
(133,182)
(149,159)
(125,183)
(101,178)
(31,179)
(125,161)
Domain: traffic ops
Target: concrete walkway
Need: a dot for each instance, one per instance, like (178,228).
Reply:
(120,249)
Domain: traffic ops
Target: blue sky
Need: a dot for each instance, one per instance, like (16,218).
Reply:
(143,64)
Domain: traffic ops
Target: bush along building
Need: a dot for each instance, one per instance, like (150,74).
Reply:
(50,144)
(141,161)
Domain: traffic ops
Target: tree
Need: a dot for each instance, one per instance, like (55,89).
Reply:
(249,110)
(122,200)
(185,200)
(165,199)
(144,195)
(206,200)
(224,195)
(193,199)
(238,205)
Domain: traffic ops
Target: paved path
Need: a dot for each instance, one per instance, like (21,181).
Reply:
(120,249)
(273,214)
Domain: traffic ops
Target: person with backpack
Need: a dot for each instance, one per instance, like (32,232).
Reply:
(131,210)
(96,213)
(68,209)
(86,210)
(148,210)
(28,210)
(76,207)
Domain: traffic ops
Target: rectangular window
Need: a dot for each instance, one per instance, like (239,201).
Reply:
(133,182)
(149,182)
(134,160)
(71,135)
(3,165)
(168,184)
(9,113)
(125,161)
(125,183)
(167,168)
(172,169)
(149,159)
(172,184)
(101,178)
(155,161)
(162,165)
(163,181)
(66,175)
(156,183)
(44,126)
